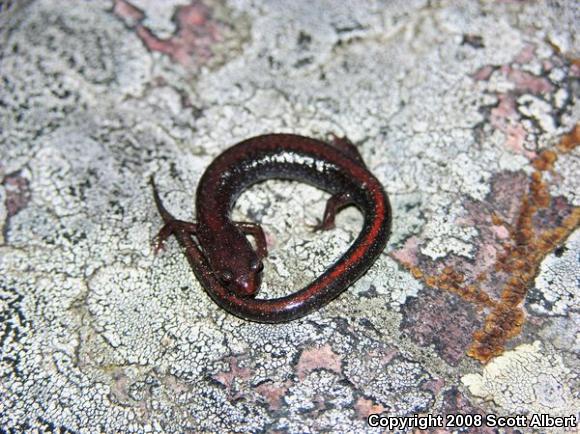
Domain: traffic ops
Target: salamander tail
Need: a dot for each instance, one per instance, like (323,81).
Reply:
(165,215)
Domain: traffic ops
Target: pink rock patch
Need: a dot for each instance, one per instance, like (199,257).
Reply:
(17,193)
(273,393)
(501,232)
(315,358)
(443,320)
(235,372)
(507,192)
(128,12)
(486,257)
(408,253)
(526,55)
(365,407)
(483,73)
(526,82)
(192,43)
(516,137)
(504,117)
(505,110)
(575,68)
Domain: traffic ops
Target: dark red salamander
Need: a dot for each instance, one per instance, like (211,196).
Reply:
(223,259)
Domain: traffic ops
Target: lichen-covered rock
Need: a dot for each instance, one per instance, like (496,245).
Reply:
(468,114)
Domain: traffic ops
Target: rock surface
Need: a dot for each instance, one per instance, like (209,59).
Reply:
(466,111)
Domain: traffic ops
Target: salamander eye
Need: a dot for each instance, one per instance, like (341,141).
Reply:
(256,266)
(226,276)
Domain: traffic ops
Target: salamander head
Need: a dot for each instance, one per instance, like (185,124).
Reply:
(238,268)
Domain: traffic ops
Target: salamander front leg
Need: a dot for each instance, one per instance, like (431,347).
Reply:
(170,228)
(333,206)
(346,146)
(258,233)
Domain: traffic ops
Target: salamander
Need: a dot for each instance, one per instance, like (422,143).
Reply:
(223,259)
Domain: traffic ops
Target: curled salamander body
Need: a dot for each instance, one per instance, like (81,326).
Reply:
(224,261)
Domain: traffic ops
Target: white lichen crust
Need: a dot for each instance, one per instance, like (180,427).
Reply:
(528,380)
(97,334)
(557,286)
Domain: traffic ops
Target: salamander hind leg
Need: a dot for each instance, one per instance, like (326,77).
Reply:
(333,206)
(170,228)
(347,147)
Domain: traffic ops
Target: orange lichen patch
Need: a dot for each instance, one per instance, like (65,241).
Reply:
(416,272)
(453,281)
(497,220)
(431,281)
(481,277)
(521,260)
(570,140)
(539,190)
(545,161)
(519,263)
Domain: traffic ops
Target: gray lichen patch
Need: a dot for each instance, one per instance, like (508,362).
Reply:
(568,168)
(557,287)
(527,380)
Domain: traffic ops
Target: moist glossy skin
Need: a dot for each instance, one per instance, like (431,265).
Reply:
(225,262)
